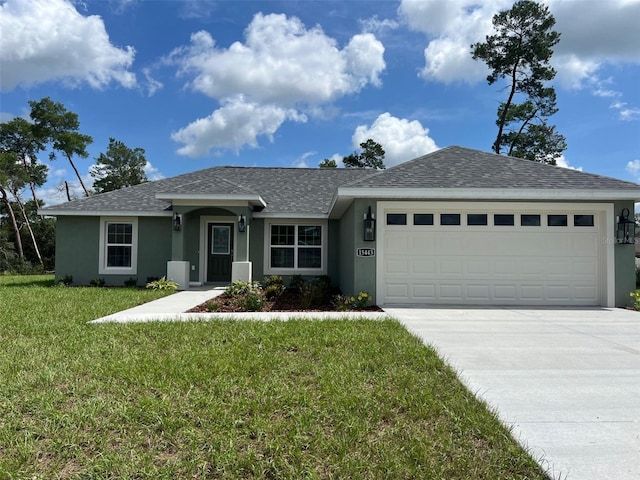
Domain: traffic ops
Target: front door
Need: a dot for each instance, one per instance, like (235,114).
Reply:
(220,252)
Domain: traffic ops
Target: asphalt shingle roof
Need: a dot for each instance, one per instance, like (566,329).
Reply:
(311,190)
(458,167)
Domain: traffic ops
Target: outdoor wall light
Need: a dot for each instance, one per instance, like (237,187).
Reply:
(626,230)
(369,226)
(177,222)
(242,223)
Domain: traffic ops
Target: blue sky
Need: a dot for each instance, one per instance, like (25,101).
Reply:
(201,83)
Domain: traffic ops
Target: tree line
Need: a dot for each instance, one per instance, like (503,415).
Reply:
(26,238)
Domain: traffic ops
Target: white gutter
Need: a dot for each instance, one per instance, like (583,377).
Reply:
(103,213)
(487,194)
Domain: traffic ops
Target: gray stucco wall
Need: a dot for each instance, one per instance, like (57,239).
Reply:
(77,248)
(78,245)
(625,263)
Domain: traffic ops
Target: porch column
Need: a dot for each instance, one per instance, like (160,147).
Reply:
(177,268)
(241,267)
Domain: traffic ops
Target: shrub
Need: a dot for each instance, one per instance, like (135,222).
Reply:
(636,299)
(252,302)
(162,284)
(315,292)
(97,282)
(66,281)
(637,276)
(240,288)
(131,282)
(359,302)
(273,286)
(213,306)
(296,282)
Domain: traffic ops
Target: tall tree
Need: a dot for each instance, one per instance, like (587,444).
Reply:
(371,156)
(519,52)
(10,172)
(18,136)
(53,122)
(119,167)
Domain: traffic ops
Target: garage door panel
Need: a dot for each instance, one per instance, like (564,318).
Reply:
(424,265)
(396,265)
(537,265)
(505,292)
(479,292)
(450,291)
(423,291)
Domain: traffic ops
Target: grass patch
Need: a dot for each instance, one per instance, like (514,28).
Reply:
(223,399)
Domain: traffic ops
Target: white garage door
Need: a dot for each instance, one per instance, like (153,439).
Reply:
(516,255)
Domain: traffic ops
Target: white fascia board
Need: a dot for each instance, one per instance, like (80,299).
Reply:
(489,194)
(294,215)
(253,199)
(103,213)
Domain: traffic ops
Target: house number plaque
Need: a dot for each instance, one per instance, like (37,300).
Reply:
(366,252)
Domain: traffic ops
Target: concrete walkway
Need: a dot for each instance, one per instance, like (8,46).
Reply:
(566,380)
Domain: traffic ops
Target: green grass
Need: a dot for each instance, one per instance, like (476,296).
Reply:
(226,399)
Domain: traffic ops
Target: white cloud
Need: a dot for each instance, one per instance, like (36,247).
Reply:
(625,112)
(282,71)
(281,61)
(633,167)
(593,33)
(401,139)
(301,161)
(562,162)
(375,25)
(48,40)
(235,124)
(152,172)
(451,28)
(151,84)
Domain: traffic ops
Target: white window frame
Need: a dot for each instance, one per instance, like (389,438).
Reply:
(296,271)
(103,269)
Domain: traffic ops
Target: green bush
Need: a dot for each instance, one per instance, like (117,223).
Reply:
(240,288)
(273,286)
(97,282)
(66,281)
(252,302)
(637,276)
(131,282)
(296,282)
(162,284)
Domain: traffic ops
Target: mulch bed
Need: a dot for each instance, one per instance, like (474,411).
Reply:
(286,302)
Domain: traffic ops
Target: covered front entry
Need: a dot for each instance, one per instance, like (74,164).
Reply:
(219,252)
(493,254)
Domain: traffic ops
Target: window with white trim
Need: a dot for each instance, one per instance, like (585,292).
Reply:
(296,247)
(118,246)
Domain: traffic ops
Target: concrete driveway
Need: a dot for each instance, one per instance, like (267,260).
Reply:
(566,380)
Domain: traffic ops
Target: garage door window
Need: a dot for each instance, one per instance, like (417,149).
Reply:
(396,218)
(476,219)
(423,218)
(530,220)
(557,220)
(583,221)
(449,219)
(503,220)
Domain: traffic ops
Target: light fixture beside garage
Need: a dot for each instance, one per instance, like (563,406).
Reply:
(369,226)
(626,232)
(177,222)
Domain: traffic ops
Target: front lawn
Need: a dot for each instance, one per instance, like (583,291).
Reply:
(229,399)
